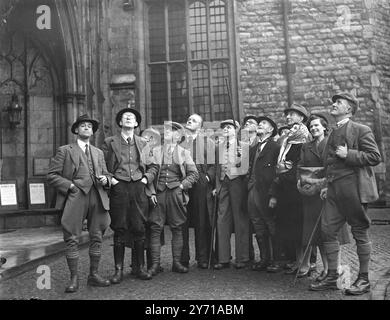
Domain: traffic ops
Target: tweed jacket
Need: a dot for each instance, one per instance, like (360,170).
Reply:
(64,169)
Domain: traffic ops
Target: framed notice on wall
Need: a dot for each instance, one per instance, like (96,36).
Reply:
(8,195)
(37,194)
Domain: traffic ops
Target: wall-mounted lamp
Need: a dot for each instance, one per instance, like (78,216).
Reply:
(128,5)
(14,111)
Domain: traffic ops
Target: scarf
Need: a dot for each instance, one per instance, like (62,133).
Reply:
(298,134)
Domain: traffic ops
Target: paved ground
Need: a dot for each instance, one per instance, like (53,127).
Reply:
(198,284)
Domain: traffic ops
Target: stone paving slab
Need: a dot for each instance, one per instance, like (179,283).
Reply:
(24,246)
(240,284)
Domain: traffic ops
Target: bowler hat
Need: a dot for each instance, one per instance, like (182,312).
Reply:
(347,96)
(250,116)
(275,131)
(133,111)
(231,122)
(298,108)
(85,118)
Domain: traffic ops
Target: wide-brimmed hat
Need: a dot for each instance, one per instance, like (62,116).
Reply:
(298,108)
(250,116)
(231,122)
(275,131)
(133,111)
(347,96)
(85,118)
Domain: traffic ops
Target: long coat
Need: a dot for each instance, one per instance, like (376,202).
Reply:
(289,211)
(202,189)
(312,155)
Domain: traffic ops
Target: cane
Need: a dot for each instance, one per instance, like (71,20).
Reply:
(310,240)
(213,229)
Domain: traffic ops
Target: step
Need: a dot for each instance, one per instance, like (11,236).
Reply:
(25,249)
(34,218)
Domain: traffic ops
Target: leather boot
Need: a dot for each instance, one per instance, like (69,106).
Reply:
(177,246)
(133,261)
(155,249)
(139,265)
(264,254)
(360,286)
(73,284)
(119,255)
(94,279)
(329,283)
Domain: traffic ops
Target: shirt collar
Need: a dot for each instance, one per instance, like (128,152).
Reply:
(82,144)
(342,122)
(125,137)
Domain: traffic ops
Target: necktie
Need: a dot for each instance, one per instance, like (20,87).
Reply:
(90,164)
(129,140)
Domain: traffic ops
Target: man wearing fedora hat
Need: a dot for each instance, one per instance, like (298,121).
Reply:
(78,172)
(263,159)
(128,202)
(351,152)
(176,175)
(232,166)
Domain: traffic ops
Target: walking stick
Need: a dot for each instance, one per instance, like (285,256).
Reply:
(310,240)
(213,229)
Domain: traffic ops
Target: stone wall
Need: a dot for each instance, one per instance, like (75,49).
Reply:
(334,45)
(380,14)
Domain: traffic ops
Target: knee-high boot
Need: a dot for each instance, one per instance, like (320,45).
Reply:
(119,255)
(73,285)
(139,264)
(155,248)
(94,279)
(177,247)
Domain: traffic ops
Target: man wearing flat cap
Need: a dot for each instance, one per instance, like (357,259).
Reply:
(285,195)
(262,171)
(351,152)
(177,174)
(78,172)
(128,201)
(232,166)
(249,134)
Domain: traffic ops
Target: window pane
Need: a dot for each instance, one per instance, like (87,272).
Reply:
(179,93)
(221,106)
(198,30)
(157,34)
(201,91)
(218,29)
(177,29)
(159,89)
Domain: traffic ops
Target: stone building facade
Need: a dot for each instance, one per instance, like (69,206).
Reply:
(168,58)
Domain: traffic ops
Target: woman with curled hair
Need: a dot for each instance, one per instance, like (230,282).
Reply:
(310,181)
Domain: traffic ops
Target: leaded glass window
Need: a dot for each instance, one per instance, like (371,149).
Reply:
(189,59)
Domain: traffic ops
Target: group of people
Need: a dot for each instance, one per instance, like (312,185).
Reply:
(295,188)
